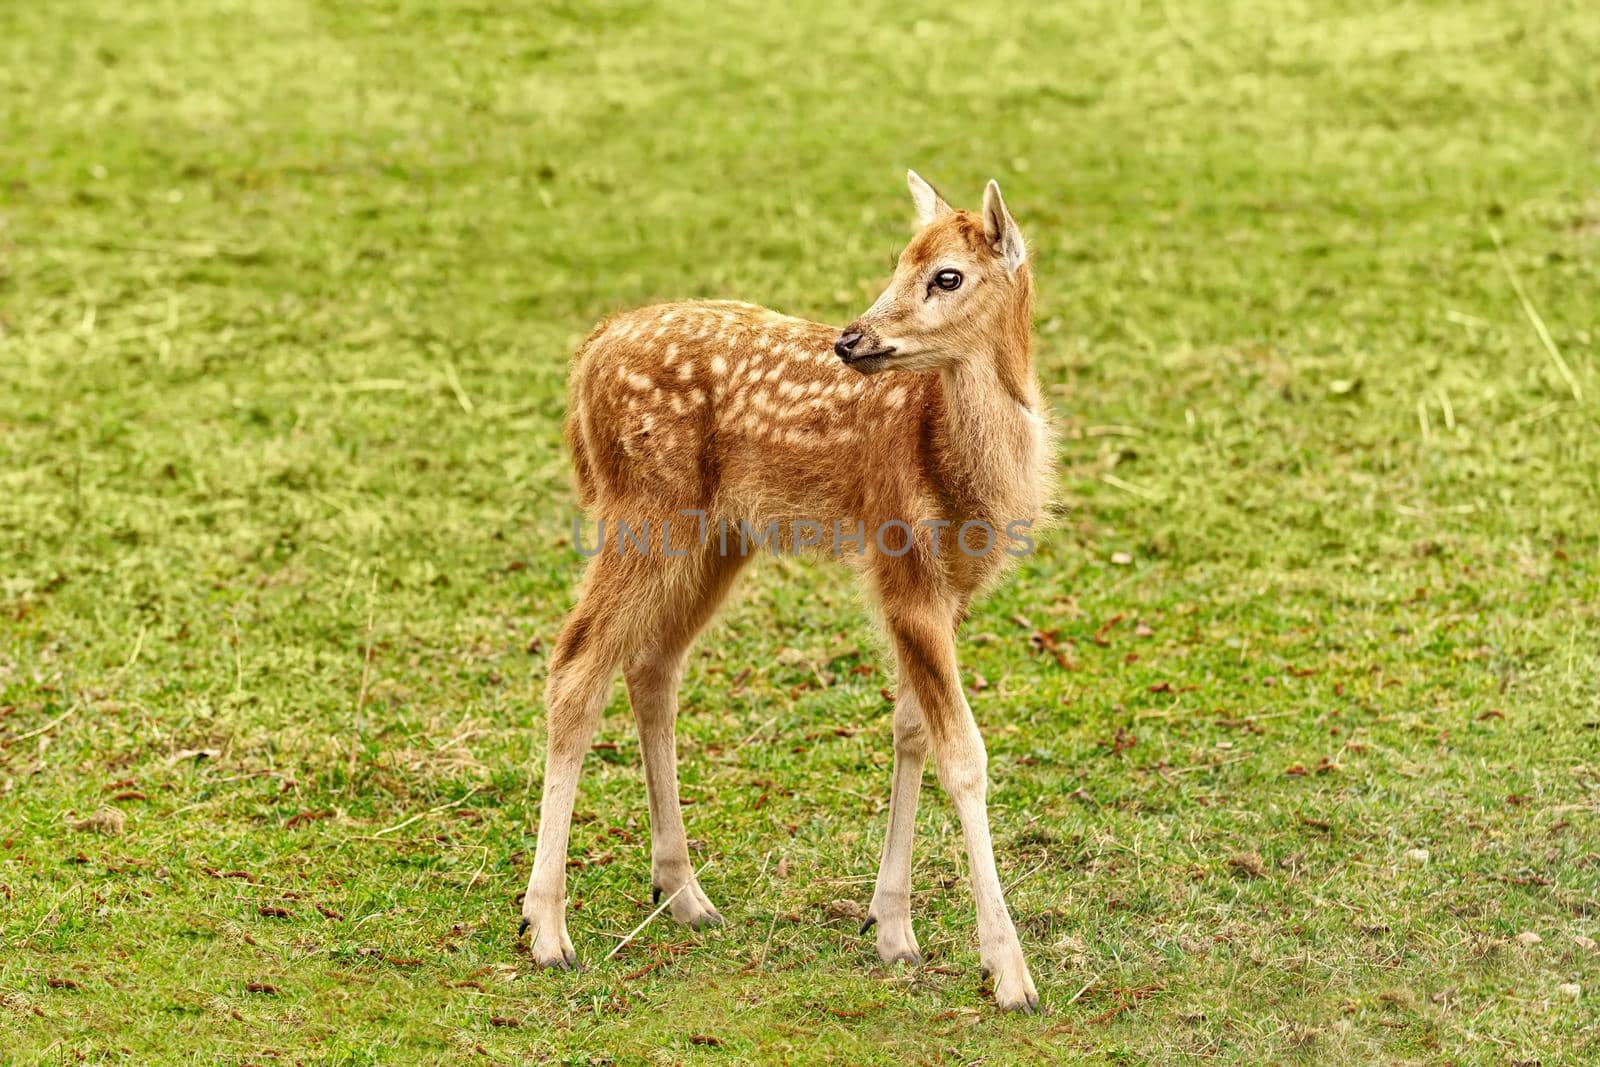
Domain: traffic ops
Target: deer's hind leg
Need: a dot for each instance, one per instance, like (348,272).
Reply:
(623,600)
(653,678)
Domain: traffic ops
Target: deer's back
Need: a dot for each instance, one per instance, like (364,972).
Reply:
(730,408)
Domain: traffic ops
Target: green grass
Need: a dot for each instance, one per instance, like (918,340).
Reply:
(287,291)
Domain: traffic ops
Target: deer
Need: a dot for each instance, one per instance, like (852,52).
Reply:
(922,418)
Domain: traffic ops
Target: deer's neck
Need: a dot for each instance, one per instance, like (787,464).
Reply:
(992,434)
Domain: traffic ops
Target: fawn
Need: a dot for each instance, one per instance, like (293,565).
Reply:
(922,417)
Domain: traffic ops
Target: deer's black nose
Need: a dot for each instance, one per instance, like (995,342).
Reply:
(846,344)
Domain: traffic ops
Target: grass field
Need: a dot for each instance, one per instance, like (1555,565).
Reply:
(287,292)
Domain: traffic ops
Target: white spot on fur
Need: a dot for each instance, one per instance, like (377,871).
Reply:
(719,366)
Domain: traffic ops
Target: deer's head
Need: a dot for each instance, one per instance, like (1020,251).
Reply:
(961,289)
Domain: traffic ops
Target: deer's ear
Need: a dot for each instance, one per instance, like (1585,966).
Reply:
(1001,229)
(930,205)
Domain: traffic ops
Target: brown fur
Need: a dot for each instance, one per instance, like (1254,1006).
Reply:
(744,414)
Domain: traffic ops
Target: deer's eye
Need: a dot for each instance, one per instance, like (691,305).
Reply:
(948,280)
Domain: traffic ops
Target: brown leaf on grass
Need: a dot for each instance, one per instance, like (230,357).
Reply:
(1296,769)
(506,1021)
(63,983)
(1249,864)
(1126,998)
(272,911)
(1100,637)
(705,1039)
(1526,878)
(843,1013)
(653,965)
(265,988)
(1142,629)
(307,816)
(130,794)
(1492,713)
(1161,687)
(121,783)
(846,909)
(1247,724)
(329,913)
(1050,641)
(108,821)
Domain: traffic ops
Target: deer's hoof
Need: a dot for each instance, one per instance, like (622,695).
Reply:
(896,941)
(1013,986)
(551,947)
(690,906)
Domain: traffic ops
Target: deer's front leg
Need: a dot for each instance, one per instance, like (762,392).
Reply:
(926,646)
(891,900)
